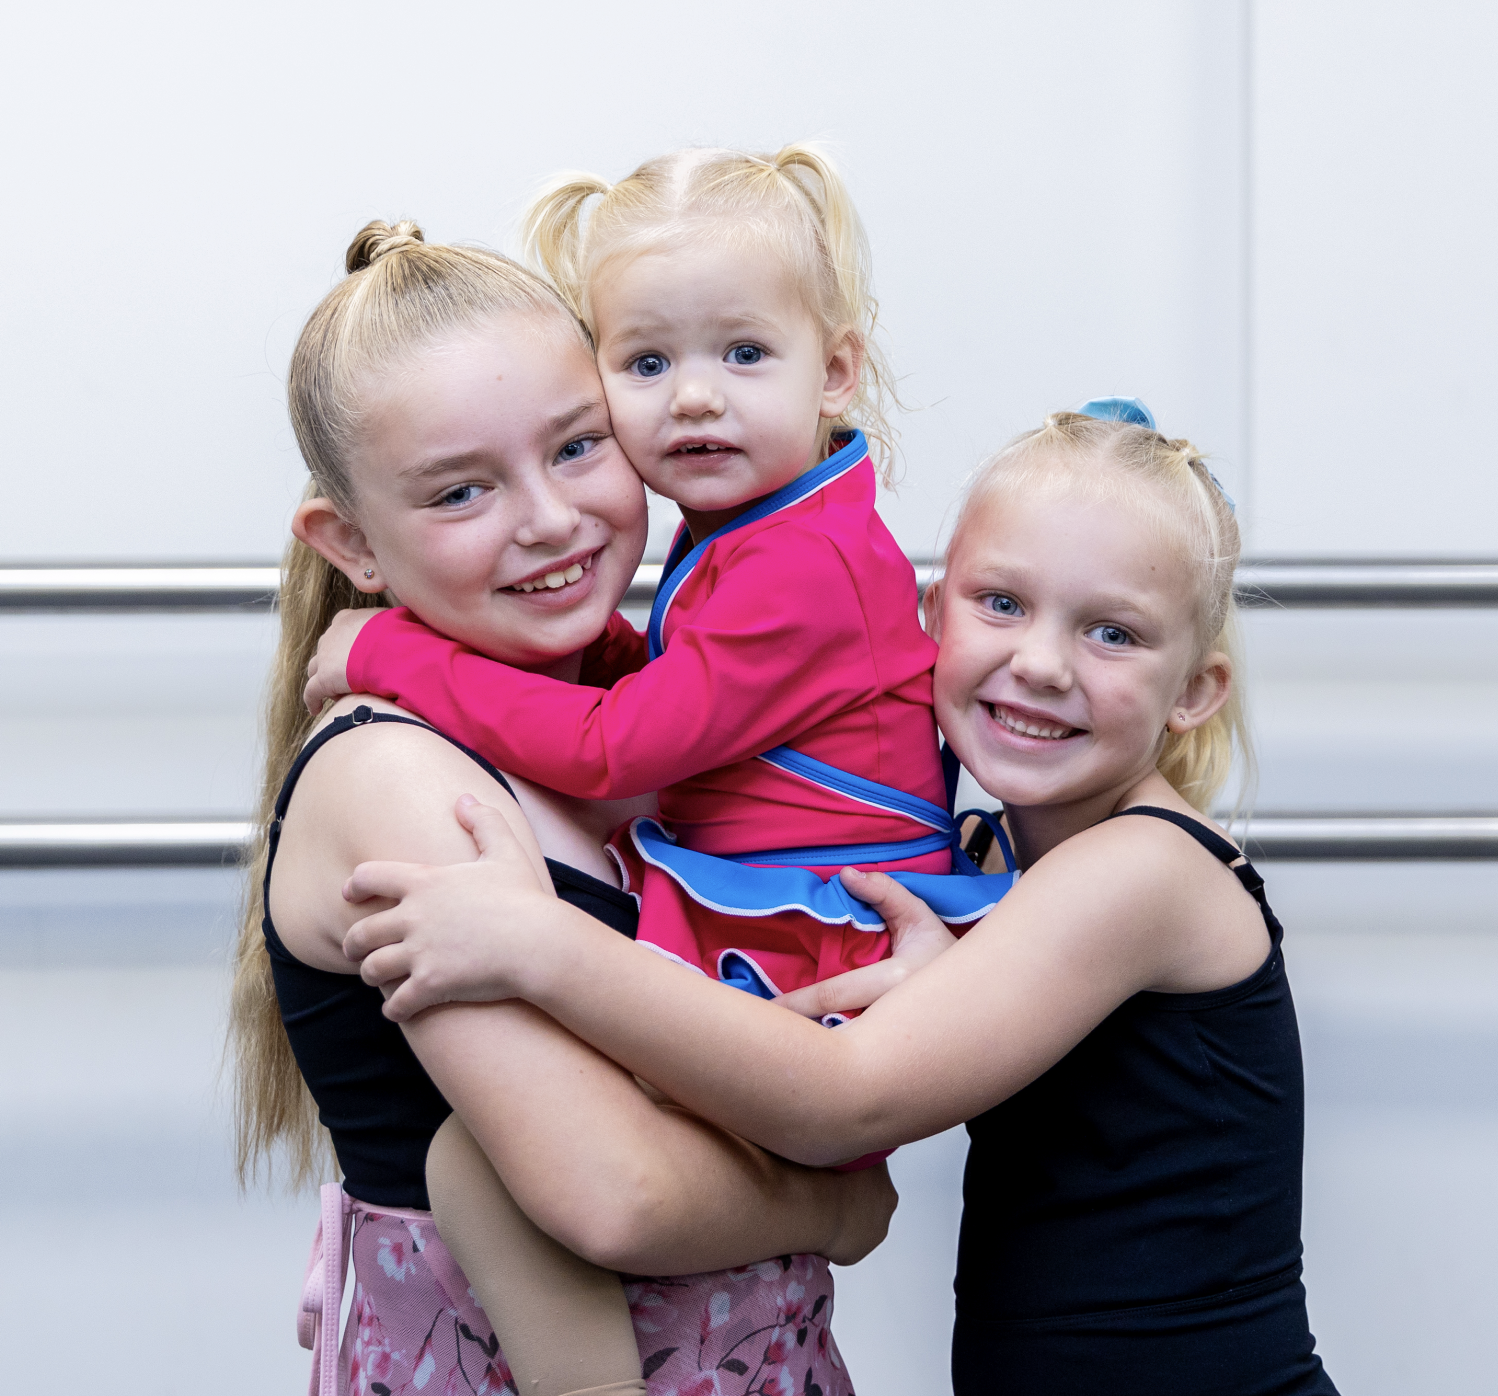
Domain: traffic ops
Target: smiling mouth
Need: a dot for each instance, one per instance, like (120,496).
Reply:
(1023,726)
(704,449)
(556,581)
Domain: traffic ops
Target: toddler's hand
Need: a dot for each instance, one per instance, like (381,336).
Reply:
(917,937)
(327,670)
(456,933)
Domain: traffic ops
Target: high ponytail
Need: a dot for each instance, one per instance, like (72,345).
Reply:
(401,293)
(377,239)
(794,200)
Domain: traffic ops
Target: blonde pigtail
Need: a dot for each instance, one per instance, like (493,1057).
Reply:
(552,232)
(810,168)
(794,200)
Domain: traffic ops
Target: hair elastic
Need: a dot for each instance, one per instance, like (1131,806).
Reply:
(1133,411)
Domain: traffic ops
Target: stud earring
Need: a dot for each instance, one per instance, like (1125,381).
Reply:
(369,572)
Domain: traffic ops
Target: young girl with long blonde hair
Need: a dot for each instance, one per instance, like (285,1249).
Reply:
(450,413)
(780,700)
(1118,1031)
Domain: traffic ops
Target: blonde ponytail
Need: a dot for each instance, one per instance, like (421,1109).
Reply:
(401,293)
(794,200)
(272,1105)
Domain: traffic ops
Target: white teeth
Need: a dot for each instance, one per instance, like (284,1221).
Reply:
(1027,729)
(555,580)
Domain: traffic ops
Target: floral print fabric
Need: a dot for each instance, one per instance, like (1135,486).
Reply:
(415,1326)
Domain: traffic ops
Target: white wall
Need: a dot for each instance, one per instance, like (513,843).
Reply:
(1270,218)
(1375,291)
(1059,197)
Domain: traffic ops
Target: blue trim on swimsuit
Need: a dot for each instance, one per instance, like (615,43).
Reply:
(866,792)
(684,557)
(732,889)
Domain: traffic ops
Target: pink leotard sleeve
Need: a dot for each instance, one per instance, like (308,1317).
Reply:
(780,645)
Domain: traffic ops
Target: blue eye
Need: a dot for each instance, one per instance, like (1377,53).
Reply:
(1002,605)
(745,354)
(649,365)
(576,450)
(1113,635)
(459,495)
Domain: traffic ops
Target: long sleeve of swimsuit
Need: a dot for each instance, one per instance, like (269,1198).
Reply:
(780,645)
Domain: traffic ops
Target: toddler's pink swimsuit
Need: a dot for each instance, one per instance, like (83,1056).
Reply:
(780,703)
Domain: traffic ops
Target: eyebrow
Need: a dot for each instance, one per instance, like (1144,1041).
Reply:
(563,420)
(441,466)
(647,326)
(553,426)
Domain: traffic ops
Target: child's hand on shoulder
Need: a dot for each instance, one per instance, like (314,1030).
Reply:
(917,936)
(327,670)
(455,933)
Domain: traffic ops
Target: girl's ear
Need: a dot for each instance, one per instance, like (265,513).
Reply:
(931,610)
(323,529)
(1204,694)
(844,365)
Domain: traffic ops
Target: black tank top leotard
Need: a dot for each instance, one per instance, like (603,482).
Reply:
(1131,1220)
(372,1094)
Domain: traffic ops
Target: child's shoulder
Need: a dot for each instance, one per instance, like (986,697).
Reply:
(825,577)
(854,542)
(1161,869)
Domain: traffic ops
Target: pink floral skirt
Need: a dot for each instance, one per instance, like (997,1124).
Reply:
(763,1330)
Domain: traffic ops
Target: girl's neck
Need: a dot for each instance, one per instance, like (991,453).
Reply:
(1036,829)
(703,524)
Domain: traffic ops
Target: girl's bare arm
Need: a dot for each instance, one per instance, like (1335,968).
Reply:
(1107,913)
(620,1180)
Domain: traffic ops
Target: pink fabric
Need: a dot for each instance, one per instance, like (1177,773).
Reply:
(797,630)
(416,1326)
(790,947)
(800,630)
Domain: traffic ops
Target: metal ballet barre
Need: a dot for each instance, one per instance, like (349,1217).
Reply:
(253,587)
(1261,582)
(1273,837)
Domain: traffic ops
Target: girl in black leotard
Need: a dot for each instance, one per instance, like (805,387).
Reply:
(1118,1030)
(450,413)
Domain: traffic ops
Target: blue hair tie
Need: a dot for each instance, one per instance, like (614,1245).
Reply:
(1133,411)
(1119,409)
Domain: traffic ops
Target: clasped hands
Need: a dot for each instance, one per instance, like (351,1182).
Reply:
(467,932)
